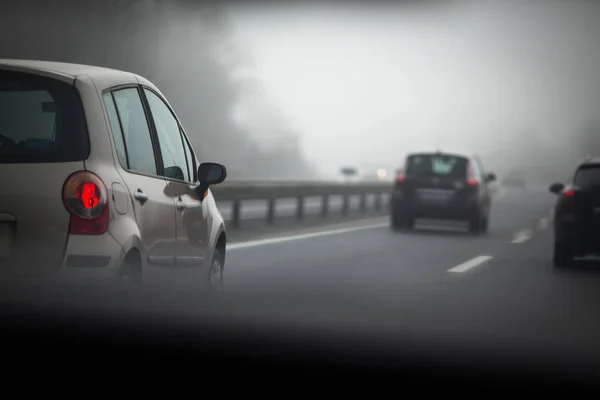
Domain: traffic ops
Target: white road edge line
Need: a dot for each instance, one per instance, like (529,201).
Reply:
(263,242)
(543,224)
(522,236)
(472,263)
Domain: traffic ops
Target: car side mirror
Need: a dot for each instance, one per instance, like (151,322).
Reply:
(556,188)
(209,174)
(490,177)
(174,172)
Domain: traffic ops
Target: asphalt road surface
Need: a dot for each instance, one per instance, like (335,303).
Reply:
(437,281)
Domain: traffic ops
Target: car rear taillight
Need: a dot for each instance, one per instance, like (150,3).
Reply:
(568,203)
(400,177)
(471,178)
(86,199)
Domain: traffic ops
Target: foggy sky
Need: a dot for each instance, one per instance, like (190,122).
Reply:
(366,85)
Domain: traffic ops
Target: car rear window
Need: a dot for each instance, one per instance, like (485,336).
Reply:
(41,120)
(587,176)
(430,165)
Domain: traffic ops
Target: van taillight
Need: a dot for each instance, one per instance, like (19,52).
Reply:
(86,199)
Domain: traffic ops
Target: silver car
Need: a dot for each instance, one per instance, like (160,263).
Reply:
(98,179)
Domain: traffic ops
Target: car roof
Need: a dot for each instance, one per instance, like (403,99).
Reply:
(102,76)
(590,161)
(439,153)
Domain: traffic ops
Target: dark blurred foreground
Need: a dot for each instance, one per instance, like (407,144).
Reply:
(294,340)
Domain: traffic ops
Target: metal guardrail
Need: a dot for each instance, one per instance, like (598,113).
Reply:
(242,190)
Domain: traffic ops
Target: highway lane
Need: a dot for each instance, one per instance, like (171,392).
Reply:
(499,288)
(351,253)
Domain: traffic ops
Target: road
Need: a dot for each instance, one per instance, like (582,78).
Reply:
(437,281)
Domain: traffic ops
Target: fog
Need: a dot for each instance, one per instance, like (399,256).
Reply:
(300,91)
(516,82)
(183,47)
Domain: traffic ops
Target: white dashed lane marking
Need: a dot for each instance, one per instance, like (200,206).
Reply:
(470,264)
(290,238)
(522,236)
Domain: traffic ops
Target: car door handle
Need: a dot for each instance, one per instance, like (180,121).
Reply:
(180,204)
(140,196)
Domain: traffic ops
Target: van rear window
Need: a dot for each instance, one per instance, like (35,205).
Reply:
(41,120)
(432,165)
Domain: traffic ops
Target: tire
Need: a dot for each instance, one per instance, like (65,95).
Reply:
(399,223)
(214,277)
(126,276)
(476,223)
(485,225)
(562,255)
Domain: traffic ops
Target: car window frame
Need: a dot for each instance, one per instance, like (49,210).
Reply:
(151,128)
(187,143)
(183,136)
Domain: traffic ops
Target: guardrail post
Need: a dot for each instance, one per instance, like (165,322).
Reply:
(345,204)
(271,211)
(378,201)
(236,214)
(363,202)
(300,208)
(325,205)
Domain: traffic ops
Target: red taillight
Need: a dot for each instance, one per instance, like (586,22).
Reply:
(471,179)
(400,178)
(568,204)
(86,199)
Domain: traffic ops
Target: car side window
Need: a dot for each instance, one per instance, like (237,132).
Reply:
(169,138)
(136,133)
(115,127)
(190,157)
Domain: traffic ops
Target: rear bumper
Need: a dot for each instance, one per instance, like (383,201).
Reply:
(412,209)
(86,258)
(91,258)
(581,235)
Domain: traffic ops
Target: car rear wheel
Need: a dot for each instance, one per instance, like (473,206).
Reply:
(476,224)
(401,223)
(126,275)
(562,255)
(485,223)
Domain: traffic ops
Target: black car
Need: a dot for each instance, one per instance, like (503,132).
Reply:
(442,186)
(577,214)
